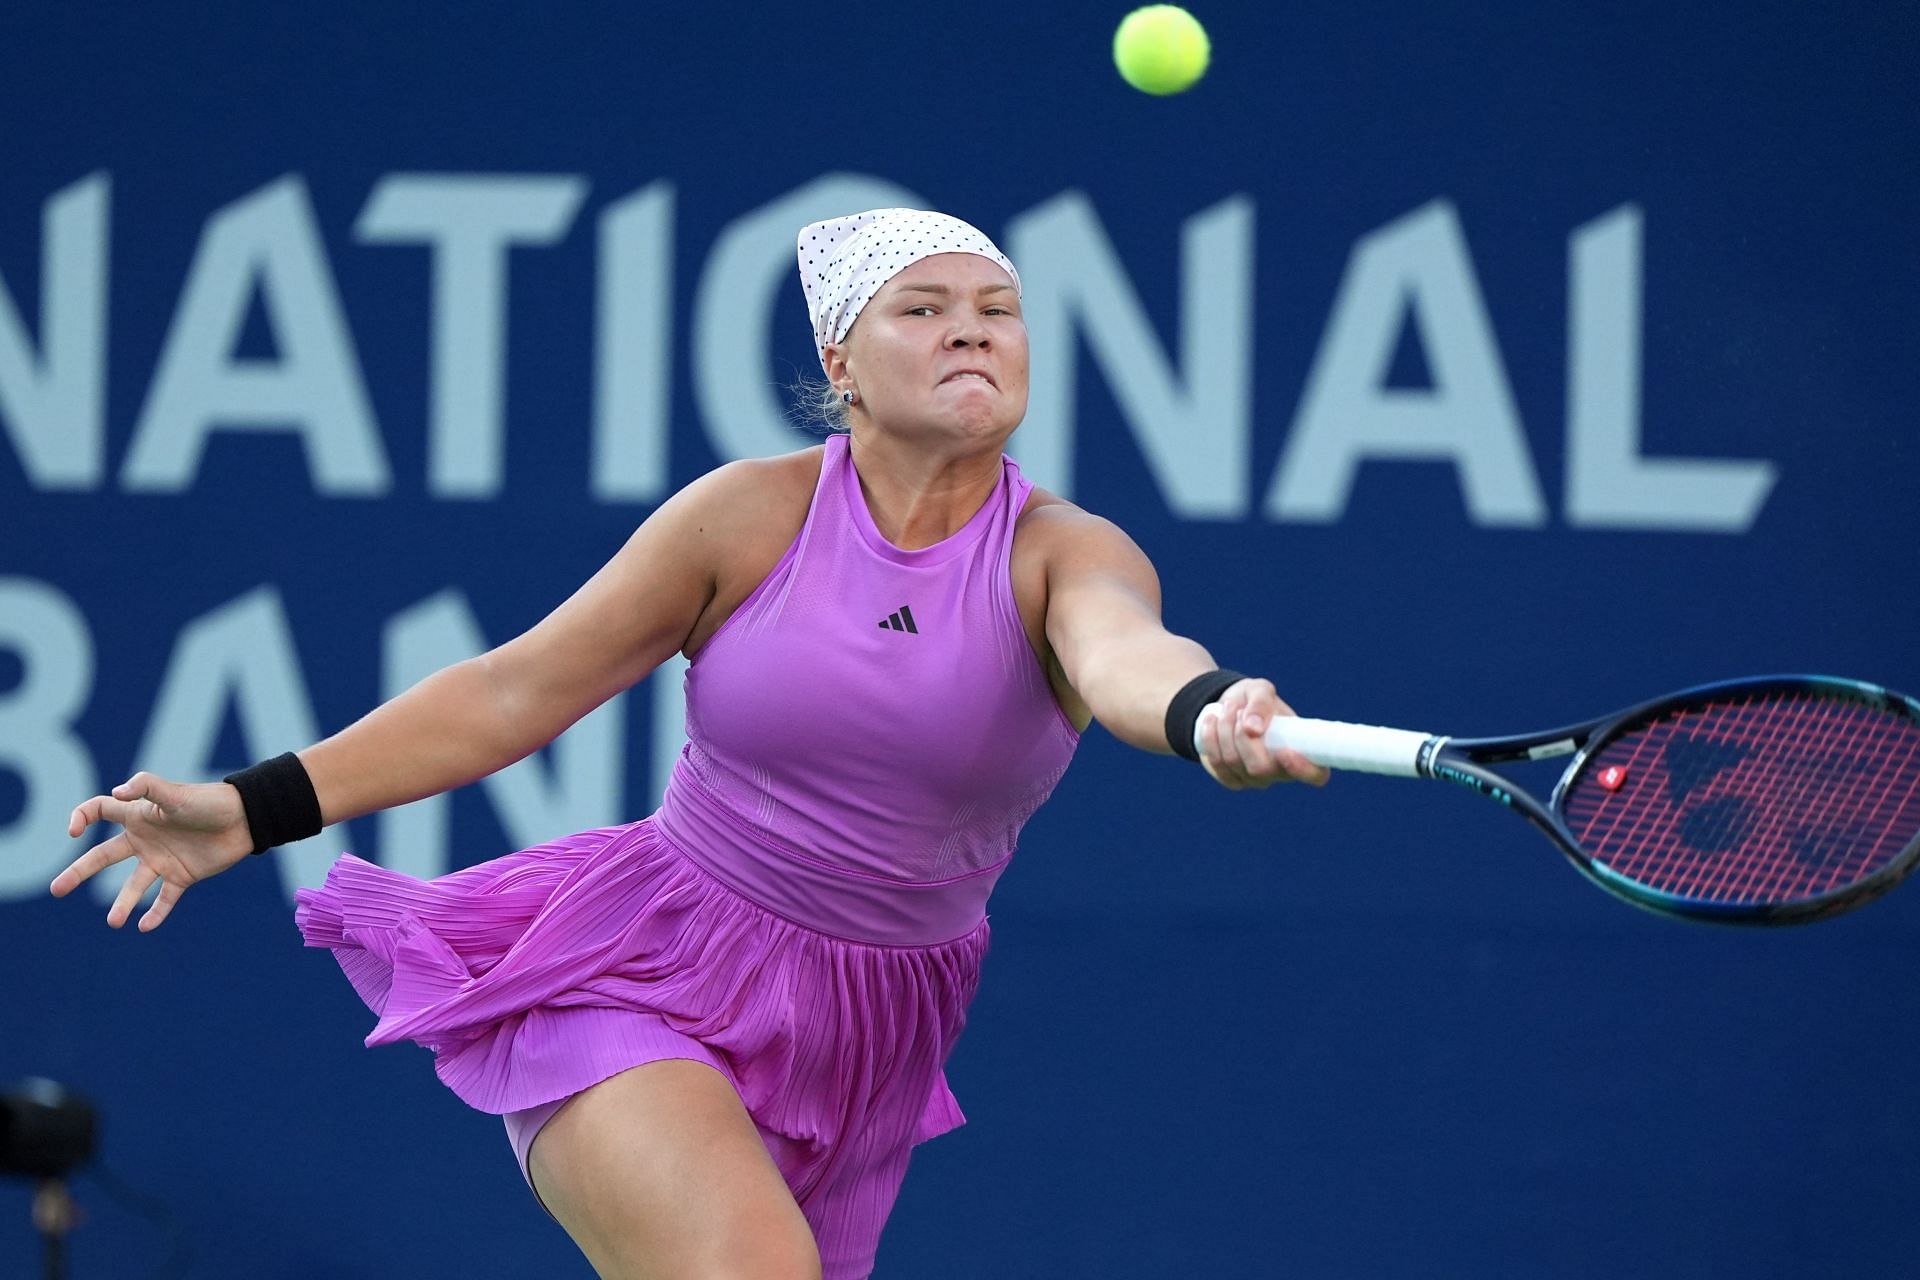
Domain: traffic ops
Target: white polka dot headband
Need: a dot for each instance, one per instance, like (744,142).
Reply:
(844,261)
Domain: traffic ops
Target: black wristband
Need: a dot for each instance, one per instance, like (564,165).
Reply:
(279,800)
(1185,709)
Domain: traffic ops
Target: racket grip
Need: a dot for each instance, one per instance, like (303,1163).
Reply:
(1335,744)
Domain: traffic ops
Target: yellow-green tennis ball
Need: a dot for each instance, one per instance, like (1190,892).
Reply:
(1161,49)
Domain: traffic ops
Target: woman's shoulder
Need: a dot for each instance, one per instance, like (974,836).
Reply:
(1055,540)
(782,473)
(730,516)
(1049,521)
(752,495)
(746,513)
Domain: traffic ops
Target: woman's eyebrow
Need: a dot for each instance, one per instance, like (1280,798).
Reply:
(944,291)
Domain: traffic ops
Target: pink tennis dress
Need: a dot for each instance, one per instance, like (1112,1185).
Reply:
(806,912)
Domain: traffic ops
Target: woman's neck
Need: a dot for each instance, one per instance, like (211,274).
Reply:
(918,496)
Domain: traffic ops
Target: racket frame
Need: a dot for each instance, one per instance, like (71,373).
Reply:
(1800,911)
(1464,761)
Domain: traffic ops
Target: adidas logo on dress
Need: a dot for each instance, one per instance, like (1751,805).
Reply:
(900,620)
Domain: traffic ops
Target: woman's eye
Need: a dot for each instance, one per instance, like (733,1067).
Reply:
(928,309)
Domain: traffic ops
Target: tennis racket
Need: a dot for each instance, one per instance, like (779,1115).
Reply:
(1770,800)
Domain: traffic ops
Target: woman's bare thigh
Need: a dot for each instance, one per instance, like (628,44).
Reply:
(660,1172)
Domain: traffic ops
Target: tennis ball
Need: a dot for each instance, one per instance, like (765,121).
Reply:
(1161,49)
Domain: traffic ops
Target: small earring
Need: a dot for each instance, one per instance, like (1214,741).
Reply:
(847,397)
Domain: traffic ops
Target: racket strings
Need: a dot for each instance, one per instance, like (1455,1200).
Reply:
(1771,797)
(1801,777)
(1821,788)
(1626,823)
(1776,795)
(1830,797)
(1866,804)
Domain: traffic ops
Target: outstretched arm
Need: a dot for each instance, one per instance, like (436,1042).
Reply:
(1103,624)
(457,725)
(481,715)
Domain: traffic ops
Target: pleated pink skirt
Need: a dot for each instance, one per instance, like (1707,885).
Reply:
(539,974)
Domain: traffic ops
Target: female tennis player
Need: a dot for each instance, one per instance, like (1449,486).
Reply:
(716,1034)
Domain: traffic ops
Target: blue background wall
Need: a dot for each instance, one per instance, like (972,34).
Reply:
(1378,1030)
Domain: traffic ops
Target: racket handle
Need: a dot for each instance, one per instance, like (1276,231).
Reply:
(1335,744)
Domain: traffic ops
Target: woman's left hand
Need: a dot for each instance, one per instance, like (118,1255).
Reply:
(1233,744)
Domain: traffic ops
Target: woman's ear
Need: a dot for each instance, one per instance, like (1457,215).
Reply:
(834,357)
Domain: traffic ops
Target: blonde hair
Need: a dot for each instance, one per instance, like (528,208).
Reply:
(818,408)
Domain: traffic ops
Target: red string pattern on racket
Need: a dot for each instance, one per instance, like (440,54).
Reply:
(1769,798)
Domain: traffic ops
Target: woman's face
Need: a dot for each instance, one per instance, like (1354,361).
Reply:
(940,352)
